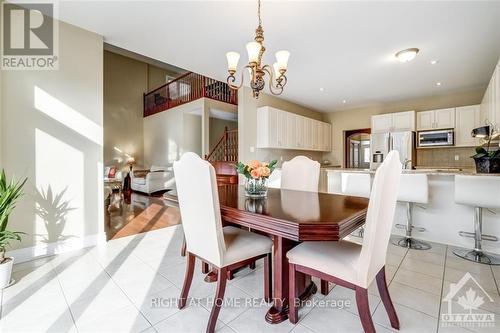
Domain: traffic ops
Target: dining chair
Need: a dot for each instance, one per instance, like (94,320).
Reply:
(225,248)
(300,174)
(353,265)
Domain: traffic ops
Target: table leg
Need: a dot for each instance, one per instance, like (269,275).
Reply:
(279,311)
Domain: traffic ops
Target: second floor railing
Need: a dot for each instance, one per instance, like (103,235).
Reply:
(187,88)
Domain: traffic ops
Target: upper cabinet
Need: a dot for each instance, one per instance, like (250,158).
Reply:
(436,119)
(393,122)
(467,118)
(284,130)
(490,105)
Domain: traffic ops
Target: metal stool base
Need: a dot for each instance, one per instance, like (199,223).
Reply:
(411,243)
(478,256)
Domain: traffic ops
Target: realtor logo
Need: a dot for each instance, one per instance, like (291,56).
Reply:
(465,300)
(29,36)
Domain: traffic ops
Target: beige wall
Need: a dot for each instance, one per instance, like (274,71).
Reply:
(125,80)
(169,134)
(247,127)
(51,133)
(361,118)
(216,130)
(157,76)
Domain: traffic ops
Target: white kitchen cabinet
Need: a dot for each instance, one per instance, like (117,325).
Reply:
(467,118)
(436,119)
(425,120)
(393,122)
(403,121)
(284,130)
(490,105)
(382,123)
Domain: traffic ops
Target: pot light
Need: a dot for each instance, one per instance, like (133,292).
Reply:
(438,84)
(344,101)
(407,55)
(321,89)
(433,62)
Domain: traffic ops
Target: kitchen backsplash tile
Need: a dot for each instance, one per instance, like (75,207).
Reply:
(445,157)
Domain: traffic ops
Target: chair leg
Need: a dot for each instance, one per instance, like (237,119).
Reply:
(183,247)
(219,299)
(324,287)
(205,268)
(293,312)
(268,278)
(364,310)
(386,298)
(188,278)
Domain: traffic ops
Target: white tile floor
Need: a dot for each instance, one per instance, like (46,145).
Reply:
(112,289)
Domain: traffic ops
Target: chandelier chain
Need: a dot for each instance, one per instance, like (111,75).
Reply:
(258,12)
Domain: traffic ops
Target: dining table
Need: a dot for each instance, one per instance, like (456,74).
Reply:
(289,217)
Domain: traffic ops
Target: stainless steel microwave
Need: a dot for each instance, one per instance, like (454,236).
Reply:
(436,138)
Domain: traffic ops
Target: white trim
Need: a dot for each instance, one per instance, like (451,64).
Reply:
(44,250)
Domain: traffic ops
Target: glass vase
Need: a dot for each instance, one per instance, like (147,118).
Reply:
(256,188)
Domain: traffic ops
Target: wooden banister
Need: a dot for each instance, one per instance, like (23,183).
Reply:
(226,148)
(184,89)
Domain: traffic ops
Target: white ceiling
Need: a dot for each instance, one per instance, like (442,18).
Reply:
(346,48)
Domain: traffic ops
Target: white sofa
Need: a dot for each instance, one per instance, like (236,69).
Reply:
(157,178)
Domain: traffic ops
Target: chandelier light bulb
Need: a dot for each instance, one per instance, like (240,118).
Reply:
(253,49)
(276,68)
(232,60)
(282,59)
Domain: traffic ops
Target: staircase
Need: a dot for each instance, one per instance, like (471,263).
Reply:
(224,156)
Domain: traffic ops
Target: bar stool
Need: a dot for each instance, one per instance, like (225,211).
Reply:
(479,192)
(413,189)
(357,185)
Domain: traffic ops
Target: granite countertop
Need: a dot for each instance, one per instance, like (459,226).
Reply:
(428,171)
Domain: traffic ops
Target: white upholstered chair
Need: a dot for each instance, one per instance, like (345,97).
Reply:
(478,192)
(413,189)
(356,184)
(300,174)
(352,265)
(225,248)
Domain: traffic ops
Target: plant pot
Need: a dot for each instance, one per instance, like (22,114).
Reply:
(487,165)
(6,272)
(256,188)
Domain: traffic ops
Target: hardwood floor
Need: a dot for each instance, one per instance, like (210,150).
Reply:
(133,214)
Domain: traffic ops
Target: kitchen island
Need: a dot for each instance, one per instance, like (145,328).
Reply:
(441,217)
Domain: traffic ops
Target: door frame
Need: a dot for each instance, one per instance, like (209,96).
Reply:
(345,145)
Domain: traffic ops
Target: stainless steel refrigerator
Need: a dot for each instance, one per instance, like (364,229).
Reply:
(382,143)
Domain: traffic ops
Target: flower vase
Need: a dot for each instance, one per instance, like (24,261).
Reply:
(256,187)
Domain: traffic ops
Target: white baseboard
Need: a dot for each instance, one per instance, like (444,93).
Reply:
(49,249)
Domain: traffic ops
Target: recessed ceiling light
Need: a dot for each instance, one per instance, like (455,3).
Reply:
(344,101)
(407,55)
(438,84)
(433,62)
(321,89)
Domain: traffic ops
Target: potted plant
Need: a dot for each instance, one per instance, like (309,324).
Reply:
(487,160)
(10,192)
(256,174)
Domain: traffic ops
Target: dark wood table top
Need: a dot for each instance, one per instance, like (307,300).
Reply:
(295,215)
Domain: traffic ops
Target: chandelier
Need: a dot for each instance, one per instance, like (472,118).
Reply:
(256,49)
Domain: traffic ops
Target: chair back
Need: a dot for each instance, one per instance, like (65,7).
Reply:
(356,184)
(414,188)
(200,210)
(379,219)
(477,191)
(300,174)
